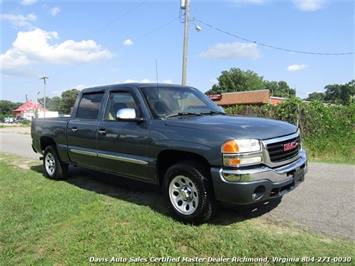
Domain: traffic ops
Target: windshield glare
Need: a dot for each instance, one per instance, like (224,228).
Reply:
(169,101)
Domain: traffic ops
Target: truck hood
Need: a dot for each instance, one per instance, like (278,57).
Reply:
(235,126)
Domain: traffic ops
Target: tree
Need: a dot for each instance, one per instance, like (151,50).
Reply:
(68,100)
(54,103)
(238,80)
(340,93)
(48,102)
(6,107)
(316,96)
(279,89)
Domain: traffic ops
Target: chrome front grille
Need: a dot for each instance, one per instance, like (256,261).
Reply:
(284,150)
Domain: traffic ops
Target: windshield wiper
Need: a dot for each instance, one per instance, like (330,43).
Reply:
(182,114)
(213,112)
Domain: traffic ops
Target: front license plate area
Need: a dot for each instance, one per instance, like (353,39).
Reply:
(298,176)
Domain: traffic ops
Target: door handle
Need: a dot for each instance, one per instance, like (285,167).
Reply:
(74,129)
(102,131)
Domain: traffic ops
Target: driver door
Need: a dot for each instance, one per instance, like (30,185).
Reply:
(123,145)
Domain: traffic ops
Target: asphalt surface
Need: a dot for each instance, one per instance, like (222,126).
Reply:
(324,203)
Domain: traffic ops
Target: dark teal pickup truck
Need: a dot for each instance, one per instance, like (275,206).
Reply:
(176,137)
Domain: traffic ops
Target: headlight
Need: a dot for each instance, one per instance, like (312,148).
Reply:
(239,152)
(241,145)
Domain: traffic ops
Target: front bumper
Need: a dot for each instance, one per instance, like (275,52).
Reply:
(247,186)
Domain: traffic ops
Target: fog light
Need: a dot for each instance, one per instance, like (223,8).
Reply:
(258,193)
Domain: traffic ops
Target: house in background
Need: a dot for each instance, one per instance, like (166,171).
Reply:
(29,109)
(256,97)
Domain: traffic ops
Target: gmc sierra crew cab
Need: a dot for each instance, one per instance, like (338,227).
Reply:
(176,137)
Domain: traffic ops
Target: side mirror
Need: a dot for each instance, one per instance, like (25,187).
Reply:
(128,114)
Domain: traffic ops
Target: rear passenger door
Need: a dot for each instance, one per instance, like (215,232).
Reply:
(82,130)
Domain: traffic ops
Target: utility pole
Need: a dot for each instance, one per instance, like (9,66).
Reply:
(185,6)
(44,92)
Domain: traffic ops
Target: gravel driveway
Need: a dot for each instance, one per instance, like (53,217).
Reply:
(324,203)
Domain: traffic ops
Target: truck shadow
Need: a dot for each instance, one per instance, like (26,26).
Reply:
(150,195)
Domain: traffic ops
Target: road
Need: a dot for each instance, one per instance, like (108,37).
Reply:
(324,203)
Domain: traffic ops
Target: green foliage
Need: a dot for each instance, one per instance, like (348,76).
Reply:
(238,80)
(68,100)
(6,108)
(53,104)
(316,96)
(279,89)
(327,131)
(26,122)
(340,93)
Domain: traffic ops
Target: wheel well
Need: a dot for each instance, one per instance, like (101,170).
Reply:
(170,157)
(46,141)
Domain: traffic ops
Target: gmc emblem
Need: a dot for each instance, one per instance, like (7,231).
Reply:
(290,146)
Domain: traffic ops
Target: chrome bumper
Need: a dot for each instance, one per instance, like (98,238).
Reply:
(274,175)
(252,185)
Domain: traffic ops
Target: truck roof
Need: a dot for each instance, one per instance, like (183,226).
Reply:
(131,85)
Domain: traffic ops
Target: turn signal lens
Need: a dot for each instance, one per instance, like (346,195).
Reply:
(241,145)
(230,146)
(234,162)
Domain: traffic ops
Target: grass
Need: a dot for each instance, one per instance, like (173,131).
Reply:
(82,220)
(334,155)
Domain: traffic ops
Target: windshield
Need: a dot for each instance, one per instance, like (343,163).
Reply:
(168,102)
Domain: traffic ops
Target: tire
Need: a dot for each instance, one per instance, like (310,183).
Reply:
(54,168)
(188,194)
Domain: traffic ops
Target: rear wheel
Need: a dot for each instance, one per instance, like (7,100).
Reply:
(188,193)
(54,168)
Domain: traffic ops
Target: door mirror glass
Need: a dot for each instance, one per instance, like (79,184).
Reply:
(126,113)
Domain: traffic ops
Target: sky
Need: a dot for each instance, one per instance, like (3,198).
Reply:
(78,44)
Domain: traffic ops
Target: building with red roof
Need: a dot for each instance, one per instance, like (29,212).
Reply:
(28,111)
(256,97)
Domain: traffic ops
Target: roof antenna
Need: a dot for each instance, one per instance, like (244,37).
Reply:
(156,71)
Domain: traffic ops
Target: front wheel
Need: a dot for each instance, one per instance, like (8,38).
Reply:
(188,193)
(54,168)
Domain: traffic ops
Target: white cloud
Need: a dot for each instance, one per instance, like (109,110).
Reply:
(28,2)
(308,5)
(296,67)
(129,81)
(14,63)
(232,50)
(19,20)
(136,81)
(34,46)
(128,42)
(145,81)
(54,11)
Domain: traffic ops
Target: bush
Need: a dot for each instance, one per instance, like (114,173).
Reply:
(26,122)
(327,131)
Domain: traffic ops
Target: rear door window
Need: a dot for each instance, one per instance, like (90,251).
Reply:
(89,106)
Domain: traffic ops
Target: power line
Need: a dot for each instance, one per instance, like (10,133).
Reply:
(117,18)
(267,45)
